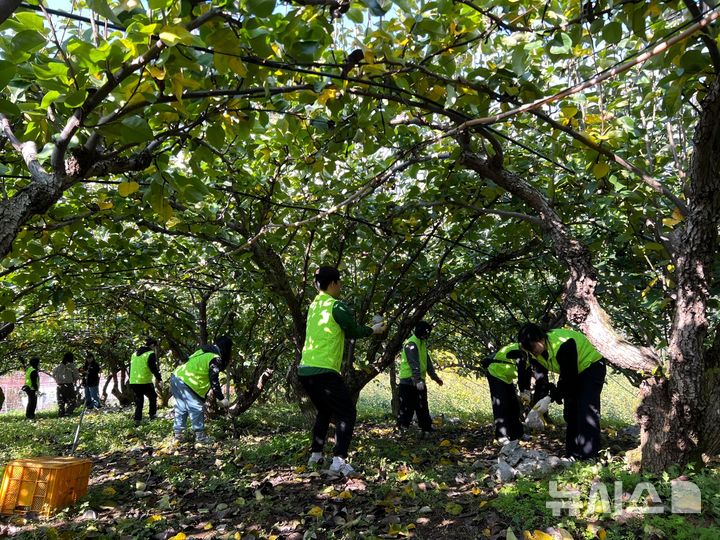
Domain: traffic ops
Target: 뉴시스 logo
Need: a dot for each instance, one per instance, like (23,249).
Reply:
(685,498)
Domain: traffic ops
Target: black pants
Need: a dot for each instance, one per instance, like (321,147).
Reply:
(413,402)
(140,391)
(506,409)
(582,413)
(332,400)
(31,404)
(66,399)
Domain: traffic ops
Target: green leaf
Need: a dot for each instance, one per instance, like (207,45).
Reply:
(612,33)
(261,8)
(9,108)
(101,8)
(28,41)
(355,15)
(304,51)
(49,98)
(137,130)
(215,135)
(694,61)
(562,44)
(76,99)
(8,316)
(7,72)
(51,71)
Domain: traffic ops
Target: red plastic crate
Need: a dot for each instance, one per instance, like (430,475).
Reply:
(43,485)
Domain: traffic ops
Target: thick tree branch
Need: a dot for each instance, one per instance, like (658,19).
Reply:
(580,302)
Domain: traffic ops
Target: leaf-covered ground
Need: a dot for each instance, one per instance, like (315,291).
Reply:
(253,483)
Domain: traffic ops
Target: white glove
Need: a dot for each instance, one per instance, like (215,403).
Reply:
(379,328)
(420,386)
(224,403)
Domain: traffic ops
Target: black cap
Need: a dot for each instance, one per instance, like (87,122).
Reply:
(422,329)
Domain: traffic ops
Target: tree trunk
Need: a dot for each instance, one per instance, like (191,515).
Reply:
(395,400)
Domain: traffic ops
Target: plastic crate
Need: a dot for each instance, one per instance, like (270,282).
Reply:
(43,485)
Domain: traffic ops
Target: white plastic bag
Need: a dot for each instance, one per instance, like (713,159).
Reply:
(535,420)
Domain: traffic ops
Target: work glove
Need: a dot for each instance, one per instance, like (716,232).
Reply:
(420,386)
(224,403)
(379,328)
(525,397)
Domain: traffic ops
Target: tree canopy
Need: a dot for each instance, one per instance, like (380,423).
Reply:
(181,168)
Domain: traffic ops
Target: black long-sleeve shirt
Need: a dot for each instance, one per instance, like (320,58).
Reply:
(567,360)
(412,353)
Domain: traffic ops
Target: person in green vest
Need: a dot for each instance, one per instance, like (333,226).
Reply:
(509,363)
(143,367)
(415,365)
(191,382)
(32,386)
(581,370)
(329,322)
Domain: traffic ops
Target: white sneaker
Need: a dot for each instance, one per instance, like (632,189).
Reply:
(340,466)
(315,459)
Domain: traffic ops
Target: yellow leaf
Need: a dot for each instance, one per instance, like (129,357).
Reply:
(402,475)
(105,205)
(128,188)
(568,112)
(437,93)
(172,35)
(476,491)
(326,95)
(601,169)
(345,495)
(602,534)
(109,491)
(445,442)
(483,504)
(238,66)
(315,512)
(177,88)
(178,536)
(154,518)
(539,535)
(156,72)
(208,526)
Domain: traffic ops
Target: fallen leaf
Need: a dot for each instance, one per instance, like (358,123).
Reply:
(179,536)
(315,512)
(454,509)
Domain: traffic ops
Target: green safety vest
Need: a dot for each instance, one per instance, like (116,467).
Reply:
(196,372)
(139,370)
(502,367)
(405,369)
(586,353)
(324,339)
(28,378)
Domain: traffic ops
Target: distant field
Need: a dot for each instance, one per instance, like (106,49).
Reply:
(468,398)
